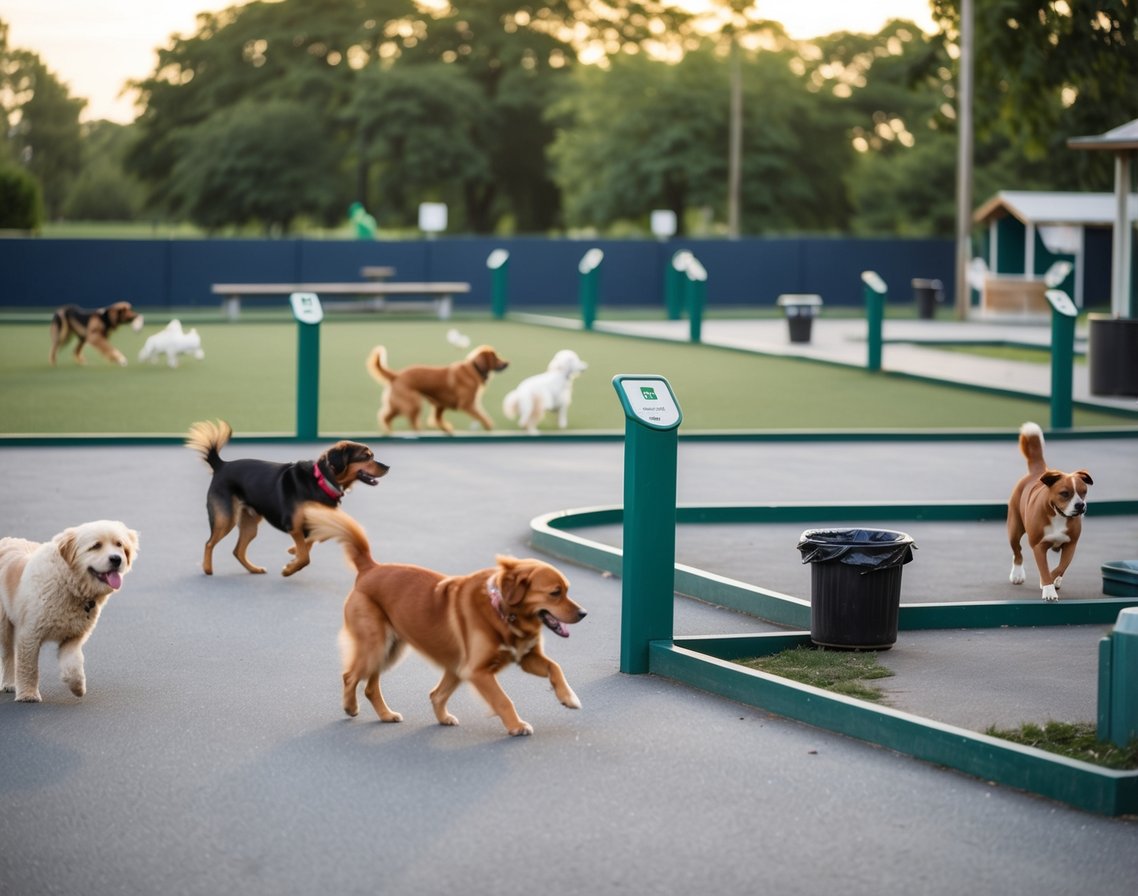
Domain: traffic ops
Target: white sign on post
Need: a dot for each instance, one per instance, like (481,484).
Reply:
(306,307)
(651,401)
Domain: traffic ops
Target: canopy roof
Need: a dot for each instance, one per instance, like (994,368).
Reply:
(1123,137)
(1030,207)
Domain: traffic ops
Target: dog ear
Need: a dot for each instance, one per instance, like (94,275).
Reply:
(514,582)
(131,545)
(67,543)
(338,457)
(1085,476)
(1050,477)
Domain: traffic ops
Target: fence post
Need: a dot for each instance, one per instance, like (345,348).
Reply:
(499,263)
(1063,314)
(874,292)
(1118,681)
(589,269)
(649,553)
(308,313)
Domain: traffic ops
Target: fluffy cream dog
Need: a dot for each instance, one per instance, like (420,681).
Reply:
(542,392)
(171,342)
(54,591)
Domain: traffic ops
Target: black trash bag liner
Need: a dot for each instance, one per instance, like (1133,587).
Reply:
(867,548)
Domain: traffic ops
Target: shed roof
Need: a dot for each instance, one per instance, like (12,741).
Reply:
(1123,137)
(1032,207)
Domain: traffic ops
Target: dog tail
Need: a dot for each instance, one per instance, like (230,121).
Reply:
(377,365)
(510,405)
(322,523)
(1031,446)
(207,438)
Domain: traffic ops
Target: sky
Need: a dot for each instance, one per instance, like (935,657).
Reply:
(96,46)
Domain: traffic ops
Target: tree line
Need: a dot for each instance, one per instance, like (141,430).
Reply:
(567,115)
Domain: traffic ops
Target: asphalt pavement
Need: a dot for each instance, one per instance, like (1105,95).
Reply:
(211,754)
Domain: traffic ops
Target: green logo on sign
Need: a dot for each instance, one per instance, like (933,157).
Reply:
(648,393)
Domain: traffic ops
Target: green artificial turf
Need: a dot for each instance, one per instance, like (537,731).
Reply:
(248,377)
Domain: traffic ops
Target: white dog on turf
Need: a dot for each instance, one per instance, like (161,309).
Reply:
(549,391)
(54,591)
(171,342)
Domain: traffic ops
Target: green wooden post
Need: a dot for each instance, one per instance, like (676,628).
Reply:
(1063,314)
(649,555)
(308,313)
(590,269)
(1118,681)
(874,292)
(675,282)
(697,296)
(499,263)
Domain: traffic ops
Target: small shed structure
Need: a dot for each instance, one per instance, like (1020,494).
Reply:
(1027,232)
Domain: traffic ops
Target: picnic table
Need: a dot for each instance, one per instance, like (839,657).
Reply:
(378,295)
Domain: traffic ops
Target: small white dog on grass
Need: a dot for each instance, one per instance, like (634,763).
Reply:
(171,342)
(545,392)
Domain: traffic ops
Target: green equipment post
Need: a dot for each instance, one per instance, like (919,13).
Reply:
(1063,314)
(308,313)
(874,292)
(648,566)
(499,264)
(588,286)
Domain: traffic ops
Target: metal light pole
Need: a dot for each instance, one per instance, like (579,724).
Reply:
(964,162)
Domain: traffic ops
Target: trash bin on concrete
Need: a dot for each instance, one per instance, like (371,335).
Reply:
(1112,354)
(926,294)
(800,309)
(855,579)
(1120,578)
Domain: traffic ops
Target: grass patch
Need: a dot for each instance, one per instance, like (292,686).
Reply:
(1022,353)
(1075,740)
(841,671)
(248,377)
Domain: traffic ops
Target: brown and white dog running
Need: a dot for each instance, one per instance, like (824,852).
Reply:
(472,626)
(1048,506)
(457,386)
(94,326)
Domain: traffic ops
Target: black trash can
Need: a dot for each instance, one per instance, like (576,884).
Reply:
(855,579)
(926,293)
(1112,354)
(800,312)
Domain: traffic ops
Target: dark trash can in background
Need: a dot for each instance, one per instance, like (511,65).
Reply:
(1112,354)
(855,585)
(926,293)
(800,310)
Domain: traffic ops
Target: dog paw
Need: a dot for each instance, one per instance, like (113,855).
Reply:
(525,730)
(571,700)
(78,688)
(1017,576)
(8,689)
(1057,582)
(397,717)
(33,697)
(1049,593)
(448,719)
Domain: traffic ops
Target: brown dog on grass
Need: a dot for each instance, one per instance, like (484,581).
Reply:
(471,625)
(245,491)
(453,387)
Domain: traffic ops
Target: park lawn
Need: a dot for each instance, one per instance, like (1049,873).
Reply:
(248,377)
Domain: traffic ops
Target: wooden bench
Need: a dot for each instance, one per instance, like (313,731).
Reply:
(376,272)
(439,297)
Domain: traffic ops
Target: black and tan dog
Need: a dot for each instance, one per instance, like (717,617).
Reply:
(94,326)
(245,491)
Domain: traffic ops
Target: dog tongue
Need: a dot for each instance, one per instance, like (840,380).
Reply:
(112,578)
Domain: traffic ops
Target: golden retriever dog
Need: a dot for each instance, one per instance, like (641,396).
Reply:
(94,326)
(472,626)
(54,591)
(453,387)
(245,491)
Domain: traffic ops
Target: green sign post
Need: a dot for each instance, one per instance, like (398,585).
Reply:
(499,264)
(874,293)
(1063,314)
(588,285)
(647,569)
(308,313)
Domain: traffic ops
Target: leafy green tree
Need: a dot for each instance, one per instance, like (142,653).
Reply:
(21,203)
(254,163)
(1048,71)
(103,191)
(42,121)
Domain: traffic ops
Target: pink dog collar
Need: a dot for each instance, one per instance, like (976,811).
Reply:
(325,486)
